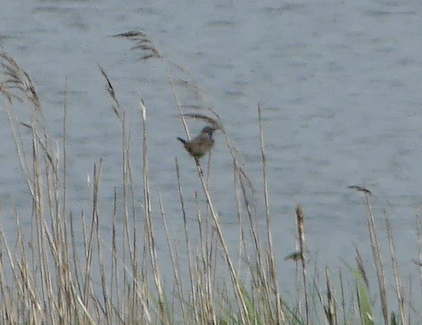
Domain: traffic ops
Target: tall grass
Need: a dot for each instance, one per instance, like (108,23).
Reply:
(66,272)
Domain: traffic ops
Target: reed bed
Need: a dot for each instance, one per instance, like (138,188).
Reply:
(65,271)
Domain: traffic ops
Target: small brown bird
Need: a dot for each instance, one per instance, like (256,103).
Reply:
(199,146)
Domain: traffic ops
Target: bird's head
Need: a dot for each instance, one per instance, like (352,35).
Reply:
(209,129)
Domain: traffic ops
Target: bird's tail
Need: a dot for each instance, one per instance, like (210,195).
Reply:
(181,140)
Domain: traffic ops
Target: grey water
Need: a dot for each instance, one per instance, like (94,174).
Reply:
(339,83)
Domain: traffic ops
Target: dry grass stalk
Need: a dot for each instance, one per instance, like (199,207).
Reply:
(272,276)
(397,277)
(301,233)
(379,265)
(331,308)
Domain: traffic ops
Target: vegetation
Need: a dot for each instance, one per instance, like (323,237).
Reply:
(66,272)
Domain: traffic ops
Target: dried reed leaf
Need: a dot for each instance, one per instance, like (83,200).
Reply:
(191,107)
(197,92)
(295,256)
(26,125)
(110,90)
(360,189)
(361,267)
(182,68)
(6,93)
(17,79)
(205,118)
(143,43)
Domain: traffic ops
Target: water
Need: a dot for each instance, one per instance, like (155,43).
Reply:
(339,83)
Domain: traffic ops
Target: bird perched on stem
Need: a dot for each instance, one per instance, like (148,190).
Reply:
(200,145)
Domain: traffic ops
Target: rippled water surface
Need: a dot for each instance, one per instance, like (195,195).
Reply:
(339,84)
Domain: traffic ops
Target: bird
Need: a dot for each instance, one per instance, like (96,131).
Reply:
(201,144)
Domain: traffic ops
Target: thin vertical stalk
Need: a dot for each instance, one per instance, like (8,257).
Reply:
(93,231)
(379,266)
(188,246)
(301,232)
(148,221)
(270,255)
(234,277)
(174,261)
(396,271)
